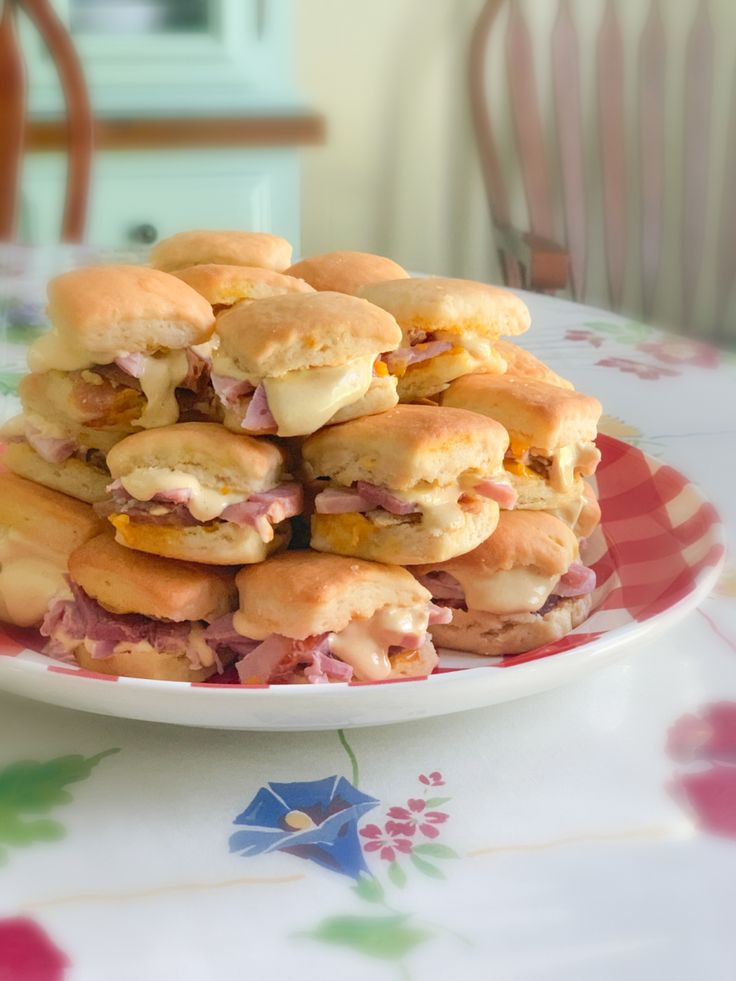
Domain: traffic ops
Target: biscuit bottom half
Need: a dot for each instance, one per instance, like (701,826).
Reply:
(402,539)
(216,543)
(478,632)
(149,664)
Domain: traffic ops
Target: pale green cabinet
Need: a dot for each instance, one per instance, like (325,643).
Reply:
(164,59)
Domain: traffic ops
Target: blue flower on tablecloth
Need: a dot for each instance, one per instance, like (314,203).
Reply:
(315,819)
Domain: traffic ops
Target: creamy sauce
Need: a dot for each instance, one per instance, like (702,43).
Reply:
(480,348)
(364,644)
(29,576)
(439,505)
(566,464)
(52,351)
(161,375)
(303,401)
(506,591)
(205,504)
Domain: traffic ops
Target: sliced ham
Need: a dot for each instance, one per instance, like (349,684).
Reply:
(439,614)
(502,493)
(381,497)
(336,500)
(263,511)
(577,581)
(177,495)
(221,635)
(258,418)
(398,361)
(69,623)
(325,668)
(198,372)
(53,449)
(442,586)
(257,667)
(230,390)
(131,364)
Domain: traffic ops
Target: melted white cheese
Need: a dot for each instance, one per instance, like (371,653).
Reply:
(506,591)
(29,576)
(160,377)
(52,351)
(205,504)
(364,644)
(301,402)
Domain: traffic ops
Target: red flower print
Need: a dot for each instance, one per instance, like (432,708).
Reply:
(680,350)
(711,794)
(708,736)
(384,842)
(584,335)
(647,372)
(433,779)
(425,824)
(406,828)
(28,954)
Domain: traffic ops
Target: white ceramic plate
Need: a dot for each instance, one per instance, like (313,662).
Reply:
(658,552)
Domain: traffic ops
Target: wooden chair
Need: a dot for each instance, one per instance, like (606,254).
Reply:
(13,112)
(552,252)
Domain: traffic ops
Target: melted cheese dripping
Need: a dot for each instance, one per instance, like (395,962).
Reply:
(29,576)
(506,591)
(53,352)
(303,401)
(205,504)
(364,644)
(159,380)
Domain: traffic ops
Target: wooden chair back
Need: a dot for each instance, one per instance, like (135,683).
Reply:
(555,157)
(80,124)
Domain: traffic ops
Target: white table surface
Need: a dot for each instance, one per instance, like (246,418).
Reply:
(586,833)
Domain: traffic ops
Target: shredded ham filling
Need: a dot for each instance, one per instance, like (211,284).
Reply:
(69,623)
(283,660)
(447,590)
(260,511)
(364,496)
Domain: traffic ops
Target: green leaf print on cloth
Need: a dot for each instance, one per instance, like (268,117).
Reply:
(29,790)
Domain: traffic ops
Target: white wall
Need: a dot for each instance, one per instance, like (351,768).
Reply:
(399,173)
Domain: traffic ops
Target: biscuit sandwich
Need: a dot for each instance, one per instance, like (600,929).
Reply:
(39,529)
(201,246)
(449,329)
(415,484)
(140,616)
(60,454)
(520,589)
(551,434)
(582,514)
(305,617)
(292,364)
(200,493)
(224,286)
(522,364)
(346,272)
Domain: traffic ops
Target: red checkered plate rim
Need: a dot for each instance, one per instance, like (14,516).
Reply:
(658,552)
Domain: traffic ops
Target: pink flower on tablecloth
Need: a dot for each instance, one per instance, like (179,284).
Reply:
(410,817)
(682,351)
(433,779)
(708,792)
(647,372)
(27,953)
(385,842)
(584,335)
(711,795)
(711,735)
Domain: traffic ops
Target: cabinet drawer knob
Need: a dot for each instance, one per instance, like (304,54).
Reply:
(145,233)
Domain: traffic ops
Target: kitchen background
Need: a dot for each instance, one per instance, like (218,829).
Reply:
(345,124)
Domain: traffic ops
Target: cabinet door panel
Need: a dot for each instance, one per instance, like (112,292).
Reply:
(168,192)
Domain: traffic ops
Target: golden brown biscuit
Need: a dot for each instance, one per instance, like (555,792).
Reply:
(226,248)
(345,271)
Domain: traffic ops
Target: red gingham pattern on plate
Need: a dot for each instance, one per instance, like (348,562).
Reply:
(657,537)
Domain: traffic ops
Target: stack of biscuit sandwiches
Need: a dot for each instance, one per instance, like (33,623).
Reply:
(302,473)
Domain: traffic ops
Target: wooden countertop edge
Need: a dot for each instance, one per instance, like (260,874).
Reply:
(189,132)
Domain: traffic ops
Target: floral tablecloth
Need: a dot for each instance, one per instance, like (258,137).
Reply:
(586,833)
